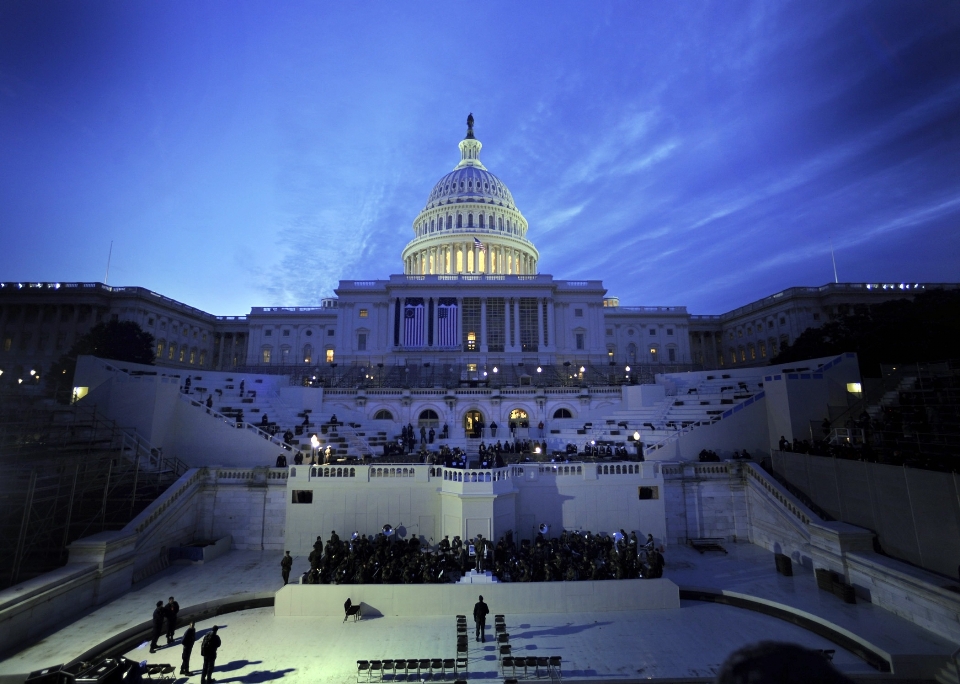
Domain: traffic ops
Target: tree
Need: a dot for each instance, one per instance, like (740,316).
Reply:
(898,331)
(116,340)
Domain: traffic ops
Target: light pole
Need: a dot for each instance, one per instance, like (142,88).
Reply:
(314,445)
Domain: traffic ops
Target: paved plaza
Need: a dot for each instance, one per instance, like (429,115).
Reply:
(690,642)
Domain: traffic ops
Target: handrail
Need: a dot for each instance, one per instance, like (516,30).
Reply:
(232,422)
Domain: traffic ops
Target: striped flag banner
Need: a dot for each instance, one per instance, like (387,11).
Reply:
(479,245)
(413,318)
(448,324)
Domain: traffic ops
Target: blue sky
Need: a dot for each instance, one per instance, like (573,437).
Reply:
(704,154)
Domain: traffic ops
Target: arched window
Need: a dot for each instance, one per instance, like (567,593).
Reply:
(160,346)
(265,354)
(449,222)
(459,220)
(469,220)
(500,221)
(654,353)
(481,220)
(428,419)
(562,413)
(383,414)
(307,353)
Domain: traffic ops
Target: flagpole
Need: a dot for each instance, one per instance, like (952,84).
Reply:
(834,260)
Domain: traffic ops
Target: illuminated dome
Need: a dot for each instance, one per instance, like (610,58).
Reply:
(470,224)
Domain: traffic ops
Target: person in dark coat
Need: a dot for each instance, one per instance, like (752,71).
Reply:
(480,612)
(170,613)
(208,649)
(157,626)
(285,564)
(188,640)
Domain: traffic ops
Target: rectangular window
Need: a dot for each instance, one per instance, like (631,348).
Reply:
(361,341)
(159,349)
(496,308)
(266,333)
(653,331)
(528,324)
(286,333)
(470,321)
(647,493)
(364,313)
(671,354)
(763,350)
(546,330)
(471,368)
(266,356)
(149,321)
(331,332)
(302,496)
(578,313)
(329,356)
(203,357)
(183,354)
(171,350)
(193,357)
(580,341)
(670,331)
(609,332)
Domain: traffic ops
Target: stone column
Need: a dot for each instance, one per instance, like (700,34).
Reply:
(516,325)
(551,325)
(506,324)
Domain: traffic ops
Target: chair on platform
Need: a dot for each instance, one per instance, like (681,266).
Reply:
(503,638)
(411,665)
(500,628)
(389,666)
(498,617)
(423,666)
(449,665)
(460,666)
(506,662)
(504,651)
(462,648)
(528,662)
(543,662)
(436,665)
(376,669)
(555,666)
(363,667)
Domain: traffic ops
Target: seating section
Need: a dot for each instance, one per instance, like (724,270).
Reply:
(443,669)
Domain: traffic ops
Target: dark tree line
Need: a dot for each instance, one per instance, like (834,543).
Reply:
(116,340)
(899,331)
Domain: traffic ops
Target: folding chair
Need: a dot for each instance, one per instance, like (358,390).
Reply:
(399,664)
(449,665)
(424,664)
(498,617)
(389,665)
(462,648)
(504,651)
(500,627)
(544,663)
(363,666)
(461,664)
(528,662)
(503,638)
(507,661)
(376,667)
(555,666)
(510,681)
(411,665)
(436,665)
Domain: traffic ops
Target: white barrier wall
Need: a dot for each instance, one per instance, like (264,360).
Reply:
(524,598)
(430,502)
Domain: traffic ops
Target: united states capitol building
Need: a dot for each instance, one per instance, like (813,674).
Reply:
(474,344)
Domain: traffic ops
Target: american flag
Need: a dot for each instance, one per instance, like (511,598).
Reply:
(413,322)
(447,323)
(479,245)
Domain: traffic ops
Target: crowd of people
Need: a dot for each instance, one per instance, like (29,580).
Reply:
(387,559)
(710,456)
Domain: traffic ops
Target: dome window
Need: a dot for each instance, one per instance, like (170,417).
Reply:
(481,220)
(470,220)
(461,186)
(459,220)
(485,186)
(449,222)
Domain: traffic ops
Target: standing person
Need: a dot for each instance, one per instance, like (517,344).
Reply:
(242,385)
(480,612)
(188,640)
(157,626)
(208,649)
(285,564)
(170,612)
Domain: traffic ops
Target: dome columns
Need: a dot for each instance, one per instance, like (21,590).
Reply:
(464,257)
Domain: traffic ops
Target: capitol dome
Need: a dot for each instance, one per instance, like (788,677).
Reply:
(470,224)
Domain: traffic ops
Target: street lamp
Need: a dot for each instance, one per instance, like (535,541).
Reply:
(314,445)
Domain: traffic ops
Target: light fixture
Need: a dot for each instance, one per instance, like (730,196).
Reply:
(33,372)
(627,369)
(496,370)
(539,369)
(636,436)
(582,369)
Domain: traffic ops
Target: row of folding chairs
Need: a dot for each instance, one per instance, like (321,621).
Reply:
(421,668)
(538,666)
